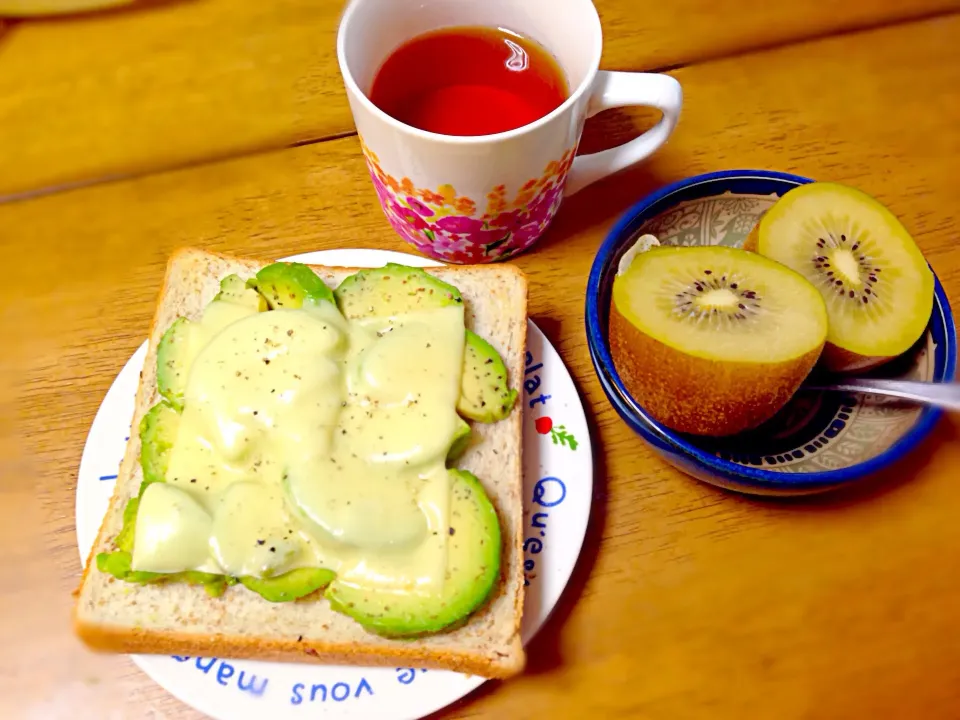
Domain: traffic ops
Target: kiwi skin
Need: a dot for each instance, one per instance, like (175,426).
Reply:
(834,358)
(698,396)
(837,360)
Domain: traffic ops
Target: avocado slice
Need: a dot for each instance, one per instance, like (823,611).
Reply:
(185,338)
(215,585)
(484,393)
(173,361)
(233,288)
(473,567)
(124,539)
(158,432)
(290,285)
(390,290)
(118,564)
(461,440)
(291,585)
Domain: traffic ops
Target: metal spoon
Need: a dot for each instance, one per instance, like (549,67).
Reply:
(944,395)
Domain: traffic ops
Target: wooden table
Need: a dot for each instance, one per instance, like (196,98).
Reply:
(688,602)
(177,82)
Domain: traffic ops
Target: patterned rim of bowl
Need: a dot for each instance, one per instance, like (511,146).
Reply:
(597,304)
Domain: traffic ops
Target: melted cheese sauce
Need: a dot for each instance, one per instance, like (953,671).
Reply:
(310,441)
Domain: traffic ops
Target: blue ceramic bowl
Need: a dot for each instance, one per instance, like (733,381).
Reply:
(820,440)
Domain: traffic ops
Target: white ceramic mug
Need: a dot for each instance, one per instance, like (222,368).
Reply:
(483,198)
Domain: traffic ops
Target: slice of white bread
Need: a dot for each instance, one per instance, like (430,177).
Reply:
(176,618)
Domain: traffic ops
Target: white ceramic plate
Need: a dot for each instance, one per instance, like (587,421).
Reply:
(558,484)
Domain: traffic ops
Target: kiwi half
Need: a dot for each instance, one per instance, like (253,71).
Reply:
(713,340)
(876,283)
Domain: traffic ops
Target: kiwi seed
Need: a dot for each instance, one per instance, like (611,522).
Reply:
(705,297)
(862,286)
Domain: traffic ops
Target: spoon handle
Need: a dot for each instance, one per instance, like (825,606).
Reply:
(945,395)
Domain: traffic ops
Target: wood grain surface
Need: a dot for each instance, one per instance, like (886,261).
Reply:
(688,602)
(174,82)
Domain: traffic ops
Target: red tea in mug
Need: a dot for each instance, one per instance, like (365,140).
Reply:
(469,81)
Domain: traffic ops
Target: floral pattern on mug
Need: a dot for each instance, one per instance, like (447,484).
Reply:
(444,225)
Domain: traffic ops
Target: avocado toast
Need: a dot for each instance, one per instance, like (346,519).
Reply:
(377,586)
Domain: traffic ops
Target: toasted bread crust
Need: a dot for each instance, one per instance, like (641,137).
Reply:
(105,638)
(113,616)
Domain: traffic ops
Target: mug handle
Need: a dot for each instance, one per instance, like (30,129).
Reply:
(621,89)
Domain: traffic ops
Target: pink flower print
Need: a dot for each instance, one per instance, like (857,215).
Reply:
(542,206)
(459,224)
(487,237)
(404,230)
(419,207)
(382,191)
(510,220)
(407,215)
(525,236)
(456,249)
